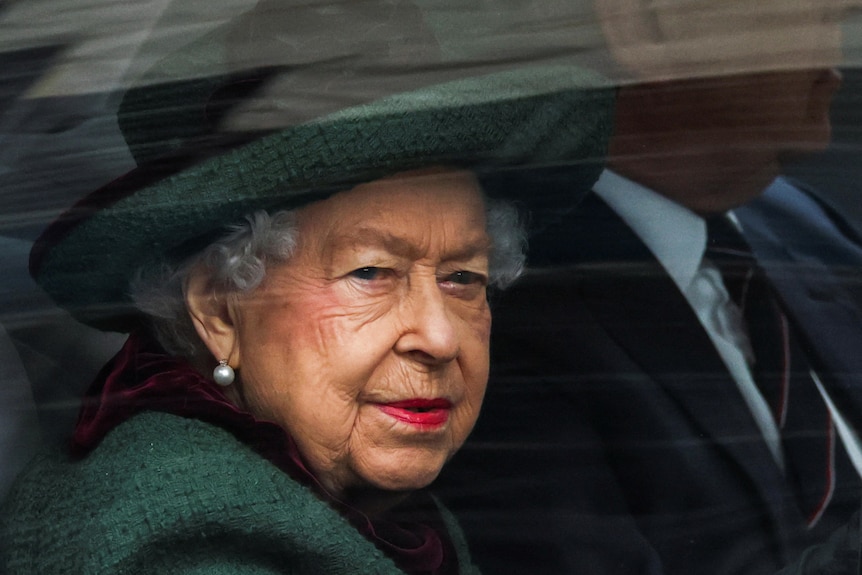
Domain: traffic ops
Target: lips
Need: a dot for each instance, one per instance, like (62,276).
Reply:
(419,412)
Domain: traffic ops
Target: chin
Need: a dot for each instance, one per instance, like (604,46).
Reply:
(406,474)
(387,487)
(812,141)
(409,479)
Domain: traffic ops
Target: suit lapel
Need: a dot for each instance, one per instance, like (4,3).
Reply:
(824,314)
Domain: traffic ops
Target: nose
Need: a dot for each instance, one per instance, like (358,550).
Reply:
(428,333)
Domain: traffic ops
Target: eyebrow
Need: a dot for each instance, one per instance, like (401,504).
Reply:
(371,237)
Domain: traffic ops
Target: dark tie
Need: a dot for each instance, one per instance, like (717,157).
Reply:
(780,370)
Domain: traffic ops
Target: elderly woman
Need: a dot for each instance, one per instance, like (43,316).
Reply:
(309,333)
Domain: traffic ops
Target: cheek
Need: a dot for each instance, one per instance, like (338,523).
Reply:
(477,327)
(286,345)
(308,360)
(475,360)
(323,326)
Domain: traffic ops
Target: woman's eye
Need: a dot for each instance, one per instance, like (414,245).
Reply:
(466,278)
(367,274)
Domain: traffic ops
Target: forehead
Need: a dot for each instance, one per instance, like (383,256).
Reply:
(402,214)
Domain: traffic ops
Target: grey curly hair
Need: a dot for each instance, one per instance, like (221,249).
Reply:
(237,263)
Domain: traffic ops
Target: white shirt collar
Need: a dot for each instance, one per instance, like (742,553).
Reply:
(675,235)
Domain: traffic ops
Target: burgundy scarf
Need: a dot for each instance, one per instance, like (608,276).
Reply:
(143,377)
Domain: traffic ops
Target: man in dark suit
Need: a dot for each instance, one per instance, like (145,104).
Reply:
(630,425)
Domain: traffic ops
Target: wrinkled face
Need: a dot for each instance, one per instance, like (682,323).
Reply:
(370,345)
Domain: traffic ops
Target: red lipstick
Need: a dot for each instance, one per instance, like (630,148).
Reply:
(420,412)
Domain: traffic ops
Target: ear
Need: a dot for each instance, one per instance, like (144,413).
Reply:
(213,314)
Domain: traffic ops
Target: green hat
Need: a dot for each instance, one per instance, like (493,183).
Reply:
(178,199)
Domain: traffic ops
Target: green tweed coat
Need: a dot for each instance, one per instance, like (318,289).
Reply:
(164,494)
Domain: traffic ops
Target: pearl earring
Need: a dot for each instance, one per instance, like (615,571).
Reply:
(223,374)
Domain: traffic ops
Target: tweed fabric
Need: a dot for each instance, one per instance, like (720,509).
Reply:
(166,494)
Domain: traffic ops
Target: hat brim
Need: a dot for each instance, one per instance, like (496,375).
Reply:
(516,118)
